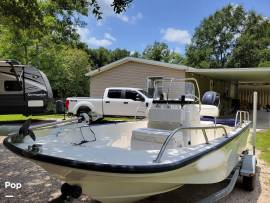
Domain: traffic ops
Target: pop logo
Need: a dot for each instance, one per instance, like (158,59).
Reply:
(13,185)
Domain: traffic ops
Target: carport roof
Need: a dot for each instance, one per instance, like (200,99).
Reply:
(237,74)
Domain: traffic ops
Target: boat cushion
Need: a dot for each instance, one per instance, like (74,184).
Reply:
(149,138)
(209,110)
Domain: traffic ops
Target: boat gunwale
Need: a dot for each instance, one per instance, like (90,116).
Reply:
(113,168)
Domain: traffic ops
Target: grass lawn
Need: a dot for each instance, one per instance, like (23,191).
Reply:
(20,117)
(117,119)
(263,144)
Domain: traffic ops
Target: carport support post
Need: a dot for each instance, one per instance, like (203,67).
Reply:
(255,99)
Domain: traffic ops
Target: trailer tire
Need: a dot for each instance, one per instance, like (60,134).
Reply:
(249,182)
(83,109)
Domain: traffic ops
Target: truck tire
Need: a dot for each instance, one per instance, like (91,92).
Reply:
(83,109)
(249,182)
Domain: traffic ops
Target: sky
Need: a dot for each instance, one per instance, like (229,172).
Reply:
(146,21)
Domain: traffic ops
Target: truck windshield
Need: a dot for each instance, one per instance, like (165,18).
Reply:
(145,93)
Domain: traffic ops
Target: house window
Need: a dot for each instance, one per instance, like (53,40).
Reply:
(12,85)
(115,94)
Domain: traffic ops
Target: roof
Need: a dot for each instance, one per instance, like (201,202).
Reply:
(137,60)
(237,74)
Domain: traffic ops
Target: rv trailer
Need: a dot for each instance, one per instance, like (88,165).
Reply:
(23,89)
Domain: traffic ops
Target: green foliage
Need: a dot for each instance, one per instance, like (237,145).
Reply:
(65,68)
(136,54)
(43,33)
(158,51)
(102,56)
(175,58)
(119,54)
(231,37)
(263,144)
(264,64)
(19,117)
(252,46)
(99,57)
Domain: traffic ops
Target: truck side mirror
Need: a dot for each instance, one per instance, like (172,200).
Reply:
(140,98)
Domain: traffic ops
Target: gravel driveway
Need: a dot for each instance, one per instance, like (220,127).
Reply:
(39,186)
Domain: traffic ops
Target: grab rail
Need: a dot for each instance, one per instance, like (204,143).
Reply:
(243,116)
(54,123)
(203,128)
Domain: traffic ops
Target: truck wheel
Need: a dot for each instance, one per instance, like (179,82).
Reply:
(249,182)
(83,110)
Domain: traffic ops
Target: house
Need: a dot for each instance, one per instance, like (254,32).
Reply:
(132,72)
(234,84)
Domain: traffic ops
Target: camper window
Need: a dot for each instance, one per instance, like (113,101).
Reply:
(12,85)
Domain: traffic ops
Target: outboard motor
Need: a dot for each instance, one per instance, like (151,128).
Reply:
(211,98)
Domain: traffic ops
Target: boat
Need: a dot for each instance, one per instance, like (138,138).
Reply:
(129,161)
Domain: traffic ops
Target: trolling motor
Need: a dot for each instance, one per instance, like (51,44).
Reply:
(23,132)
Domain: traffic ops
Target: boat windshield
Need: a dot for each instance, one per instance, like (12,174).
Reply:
(172,89)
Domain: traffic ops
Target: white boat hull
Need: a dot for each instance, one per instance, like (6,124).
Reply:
(128,187)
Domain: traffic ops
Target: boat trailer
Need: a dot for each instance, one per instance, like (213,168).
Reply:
(246,166)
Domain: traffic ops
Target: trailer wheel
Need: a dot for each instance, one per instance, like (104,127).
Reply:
(83,110)
(249,182)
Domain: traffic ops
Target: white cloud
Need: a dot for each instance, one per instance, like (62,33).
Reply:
(99,42)
(109,36)
(107,11)
(122,17)
(131,19)
(176,35)
(86,37)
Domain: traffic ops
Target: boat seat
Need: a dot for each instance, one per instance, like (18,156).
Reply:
(164,118)
(205,123)
(209,110)
(150,138)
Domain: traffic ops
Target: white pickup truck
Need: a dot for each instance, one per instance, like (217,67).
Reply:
(117,101)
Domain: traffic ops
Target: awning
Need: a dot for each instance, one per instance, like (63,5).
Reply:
(236,74)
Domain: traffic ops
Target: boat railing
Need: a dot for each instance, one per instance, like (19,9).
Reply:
(241,116)
(203,128)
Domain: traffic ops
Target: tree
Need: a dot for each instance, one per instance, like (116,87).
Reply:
(43,33)
(252,47)
(214,39)
(158,51)
(31,20)
(119,54)
(99,57)
(231,37)
(175,58)
(136,54)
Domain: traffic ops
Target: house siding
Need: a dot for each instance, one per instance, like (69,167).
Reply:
(130,74)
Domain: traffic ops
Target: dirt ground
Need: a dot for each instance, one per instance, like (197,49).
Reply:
(39,186)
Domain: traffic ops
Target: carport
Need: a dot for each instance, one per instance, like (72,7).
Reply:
(237,86)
